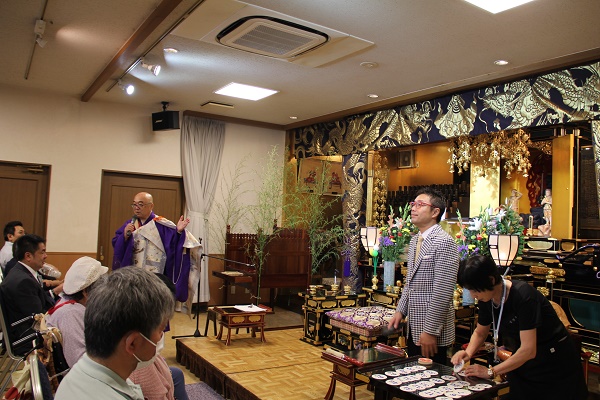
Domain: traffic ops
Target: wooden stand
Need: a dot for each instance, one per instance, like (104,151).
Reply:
(346,364)
(344,372)
(231,317)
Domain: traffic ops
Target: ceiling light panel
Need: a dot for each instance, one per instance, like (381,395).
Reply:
(497,6)
(247,92)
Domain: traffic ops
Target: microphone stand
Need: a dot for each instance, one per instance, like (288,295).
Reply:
(197,332)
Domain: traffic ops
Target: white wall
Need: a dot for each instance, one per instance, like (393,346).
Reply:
(253,146)
(78,140)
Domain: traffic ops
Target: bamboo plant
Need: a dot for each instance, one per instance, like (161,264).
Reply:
(267,209)
(307,209)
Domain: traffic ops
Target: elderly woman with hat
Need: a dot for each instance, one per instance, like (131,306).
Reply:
(67,314)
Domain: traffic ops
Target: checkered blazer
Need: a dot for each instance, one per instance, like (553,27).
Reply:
(427,294)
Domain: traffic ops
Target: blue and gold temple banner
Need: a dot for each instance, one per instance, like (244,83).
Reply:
(561,97)
(557,98)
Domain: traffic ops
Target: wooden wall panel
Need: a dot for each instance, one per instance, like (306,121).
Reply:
(62,260)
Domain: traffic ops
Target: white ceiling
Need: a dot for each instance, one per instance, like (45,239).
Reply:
(422,47)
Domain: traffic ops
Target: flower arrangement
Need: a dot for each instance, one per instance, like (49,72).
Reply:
(472,238)
(394,237)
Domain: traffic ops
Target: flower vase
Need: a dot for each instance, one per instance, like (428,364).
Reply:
(389,273)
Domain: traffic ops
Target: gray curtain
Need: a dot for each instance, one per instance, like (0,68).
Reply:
(202,142)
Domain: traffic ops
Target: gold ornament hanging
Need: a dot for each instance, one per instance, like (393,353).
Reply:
(486,152)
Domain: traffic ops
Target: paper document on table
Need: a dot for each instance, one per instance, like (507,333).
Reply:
(250,308)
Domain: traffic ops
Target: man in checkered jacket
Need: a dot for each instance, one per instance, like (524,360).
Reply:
(427,294)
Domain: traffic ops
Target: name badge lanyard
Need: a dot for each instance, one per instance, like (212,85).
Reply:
(495,328)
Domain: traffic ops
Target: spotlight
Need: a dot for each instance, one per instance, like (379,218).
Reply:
(155,69)
(39,29)
(127,87)
(41,41)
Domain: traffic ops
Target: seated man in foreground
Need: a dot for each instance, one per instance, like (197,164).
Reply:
(124,321)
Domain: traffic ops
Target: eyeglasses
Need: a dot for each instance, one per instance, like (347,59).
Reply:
(139,205)
(420,203)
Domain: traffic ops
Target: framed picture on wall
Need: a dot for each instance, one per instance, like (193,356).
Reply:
(406,158)
(310,174)
(332,184)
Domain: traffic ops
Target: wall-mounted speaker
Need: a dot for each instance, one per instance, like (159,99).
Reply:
(165,120)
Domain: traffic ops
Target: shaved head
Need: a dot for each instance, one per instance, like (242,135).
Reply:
(143,205)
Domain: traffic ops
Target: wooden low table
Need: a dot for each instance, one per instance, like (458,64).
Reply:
(233,318)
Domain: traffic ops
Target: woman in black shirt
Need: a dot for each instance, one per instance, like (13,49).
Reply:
(544,363)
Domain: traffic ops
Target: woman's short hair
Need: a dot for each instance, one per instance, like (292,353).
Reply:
(478,273)
(126,300)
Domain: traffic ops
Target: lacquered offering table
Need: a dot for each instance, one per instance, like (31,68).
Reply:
(315,306)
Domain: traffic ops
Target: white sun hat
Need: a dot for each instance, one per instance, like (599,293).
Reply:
(83,273)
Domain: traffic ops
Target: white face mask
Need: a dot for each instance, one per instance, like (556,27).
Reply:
(159,346)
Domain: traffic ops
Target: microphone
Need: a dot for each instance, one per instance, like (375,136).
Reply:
(133,220)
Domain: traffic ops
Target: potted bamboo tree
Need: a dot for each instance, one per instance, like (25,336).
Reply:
(262,215)
(310,210)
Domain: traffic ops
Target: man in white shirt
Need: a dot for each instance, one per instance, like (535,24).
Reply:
(12,231)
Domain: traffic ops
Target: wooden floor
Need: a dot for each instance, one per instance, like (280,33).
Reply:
(183,324)
(282,368)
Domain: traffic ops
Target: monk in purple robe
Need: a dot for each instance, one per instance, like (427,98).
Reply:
(156,244)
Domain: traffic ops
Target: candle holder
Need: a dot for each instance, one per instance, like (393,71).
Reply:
(375,281)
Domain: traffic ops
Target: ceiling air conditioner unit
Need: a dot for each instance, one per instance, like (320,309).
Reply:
(272,37)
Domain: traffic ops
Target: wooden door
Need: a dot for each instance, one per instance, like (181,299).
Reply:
(116,196)
(25,191)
